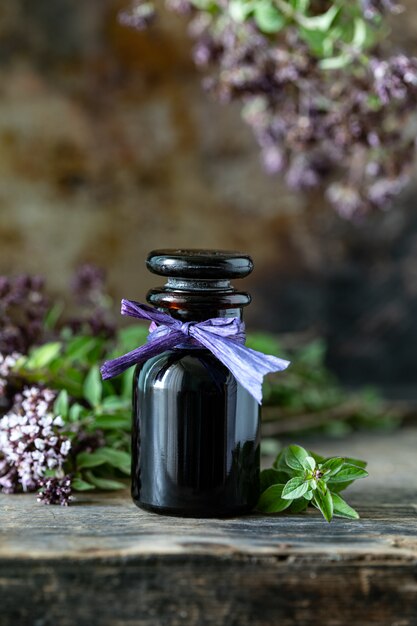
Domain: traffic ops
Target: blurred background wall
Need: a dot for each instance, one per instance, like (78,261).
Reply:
(109,148)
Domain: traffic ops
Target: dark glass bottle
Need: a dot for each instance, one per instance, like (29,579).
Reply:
(195,446)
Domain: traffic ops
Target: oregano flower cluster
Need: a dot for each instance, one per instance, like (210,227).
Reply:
(330,107)
(32,442)
(37,444)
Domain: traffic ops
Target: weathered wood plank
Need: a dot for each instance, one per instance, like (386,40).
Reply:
(111,526)
(105,562)
(210,591)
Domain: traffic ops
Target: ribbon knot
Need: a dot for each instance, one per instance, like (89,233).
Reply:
(185,328)
(224,337)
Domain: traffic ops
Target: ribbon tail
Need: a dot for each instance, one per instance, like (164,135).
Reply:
(139,355)
(146,312)
(248,366)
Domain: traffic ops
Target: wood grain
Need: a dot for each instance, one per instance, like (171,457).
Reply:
(103,561)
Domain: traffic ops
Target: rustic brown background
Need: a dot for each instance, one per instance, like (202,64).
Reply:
(109,148)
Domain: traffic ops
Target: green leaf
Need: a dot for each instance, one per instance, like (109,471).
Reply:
(271,477)
(116,458)
(81,485)
(298,506)
(360,34)
(113,422)
(271,500)
(105,484)
(41,357)
(281,465)
(131,337)
(61,405)
(75,412)
(321,22)
(268,18)
(324,502)
(309,494)
(295,457)
(240,10)
(295,488)
(319,43)
(90,459)
(115,403)
(79,347)
(309,463)
(336,63)
(349,472)
(203,5)
(93,386)
(332,466)
(300,5)
(341,486)
(356,462)
(53,315)
(342,508)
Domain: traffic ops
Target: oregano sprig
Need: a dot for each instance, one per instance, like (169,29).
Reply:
(331,106)
(299,478)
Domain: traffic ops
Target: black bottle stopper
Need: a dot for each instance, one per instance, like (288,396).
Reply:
(198,280)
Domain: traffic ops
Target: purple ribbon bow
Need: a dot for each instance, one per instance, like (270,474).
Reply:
(224,337)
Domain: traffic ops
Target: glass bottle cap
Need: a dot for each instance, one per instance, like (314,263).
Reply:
(205,264)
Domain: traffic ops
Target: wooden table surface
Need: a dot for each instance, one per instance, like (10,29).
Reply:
(102,561)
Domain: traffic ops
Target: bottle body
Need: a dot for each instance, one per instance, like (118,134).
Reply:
(196,435)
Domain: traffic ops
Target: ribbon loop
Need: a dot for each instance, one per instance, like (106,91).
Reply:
(224,337)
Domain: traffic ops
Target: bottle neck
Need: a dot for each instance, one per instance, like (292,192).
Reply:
(194,300)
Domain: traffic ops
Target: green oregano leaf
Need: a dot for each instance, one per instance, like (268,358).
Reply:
(106,484)
(298,506)
(309,463)
(75,412)
(240,10)
(342,508)
(295,488)
(321,22)
(336,63)
(270,477)
(323,501)
(349,472)
(271,500)
(79,348)
(300,5)
(81,485)
(357,462)
(110,422)
(61,405)
(268,18)
(93,386)
(332,466)
(295,457)
(360,34)
(116,458)
(115,403)
(90,459)
(43,356)
(281,465)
